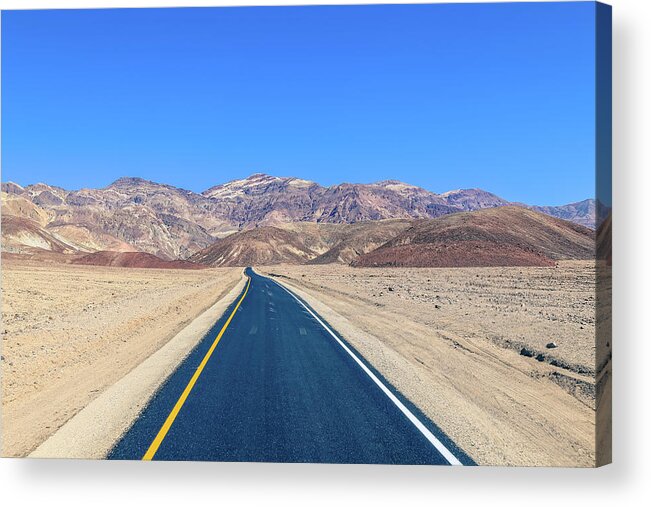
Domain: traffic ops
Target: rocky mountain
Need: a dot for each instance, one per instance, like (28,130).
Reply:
(473,199)
(133,214)
(262,199)
(503,236)
(582,212)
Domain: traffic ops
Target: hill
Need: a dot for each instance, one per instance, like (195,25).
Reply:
(357,239)
(131,260)
(260,246)
(300,243)
(504,236)
(22,235)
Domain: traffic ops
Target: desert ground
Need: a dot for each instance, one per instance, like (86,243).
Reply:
(69,332)
(469,347)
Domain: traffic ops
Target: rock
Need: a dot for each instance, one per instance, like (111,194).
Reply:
(526,352)
(551,345)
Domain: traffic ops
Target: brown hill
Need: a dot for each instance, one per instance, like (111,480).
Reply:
(353,240)
(87,239)
(131,260)
(504,236)
(259,246)
(300,243)
(23,235)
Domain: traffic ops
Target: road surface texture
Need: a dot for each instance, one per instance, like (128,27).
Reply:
(273,382)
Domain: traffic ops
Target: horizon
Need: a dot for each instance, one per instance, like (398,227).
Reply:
(440,96)
(285,177)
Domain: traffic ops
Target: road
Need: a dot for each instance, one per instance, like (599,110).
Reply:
(273,382)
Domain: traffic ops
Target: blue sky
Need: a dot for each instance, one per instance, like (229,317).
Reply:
(496,96)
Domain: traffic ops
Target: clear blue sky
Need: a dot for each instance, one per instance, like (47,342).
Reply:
(496,96)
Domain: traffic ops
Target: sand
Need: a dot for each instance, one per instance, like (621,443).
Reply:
(70,332)
(452,341)
(93,432)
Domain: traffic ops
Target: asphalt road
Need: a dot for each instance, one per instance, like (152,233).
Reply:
(272,382)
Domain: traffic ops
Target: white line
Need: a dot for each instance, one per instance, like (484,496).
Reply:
(414,420)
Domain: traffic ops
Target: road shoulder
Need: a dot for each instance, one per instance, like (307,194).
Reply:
(92,432)
(484,398)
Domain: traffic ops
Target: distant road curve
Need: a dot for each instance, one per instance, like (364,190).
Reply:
(273,382)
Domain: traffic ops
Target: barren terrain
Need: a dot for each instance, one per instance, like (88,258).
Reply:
(69,332)
(469,347)
(503,236)
(133,214)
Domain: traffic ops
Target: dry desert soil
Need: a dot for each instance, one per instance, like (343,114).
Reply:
(469,347)
(69,332)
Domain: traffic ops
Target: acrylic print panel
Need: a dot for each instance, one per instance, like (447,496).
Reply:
(337,234)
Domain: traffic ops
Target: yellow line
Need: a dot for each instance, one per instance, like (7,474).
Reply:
(186,392)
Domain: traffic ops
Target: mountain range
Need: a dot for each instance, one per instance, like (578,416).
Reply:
(261,219)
